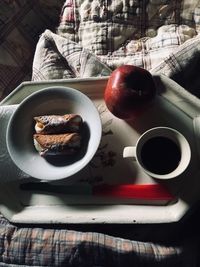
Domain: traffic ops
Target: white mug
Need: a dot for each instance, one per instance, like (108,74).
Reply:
(161,152)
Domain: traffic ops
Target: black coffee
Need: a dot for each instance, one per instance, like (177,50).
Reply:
(160,155)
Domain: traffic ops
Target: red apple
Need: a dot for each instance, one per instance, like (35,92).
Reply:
(129,91)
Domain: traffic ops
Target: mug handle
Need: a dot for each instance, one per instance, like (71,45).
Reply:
(129,152)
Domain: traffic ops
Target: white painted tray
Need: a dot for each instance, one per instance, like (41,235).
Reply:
(173,107)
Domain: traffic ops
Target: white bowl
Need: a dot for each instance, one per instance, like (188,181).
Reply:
(52,100)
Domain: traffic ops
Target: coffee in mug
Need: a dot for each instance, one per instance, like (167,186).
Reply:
(162,152)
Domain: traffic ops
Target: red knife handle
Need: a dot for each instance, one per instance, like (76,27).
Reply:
(135,191)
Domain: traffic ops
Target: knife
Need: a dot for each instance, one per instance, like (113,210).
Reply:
(140,192)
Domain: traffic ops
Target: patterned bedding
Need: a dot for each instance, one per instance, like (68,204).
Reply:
(118,32)
(40,246)
(129,32)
